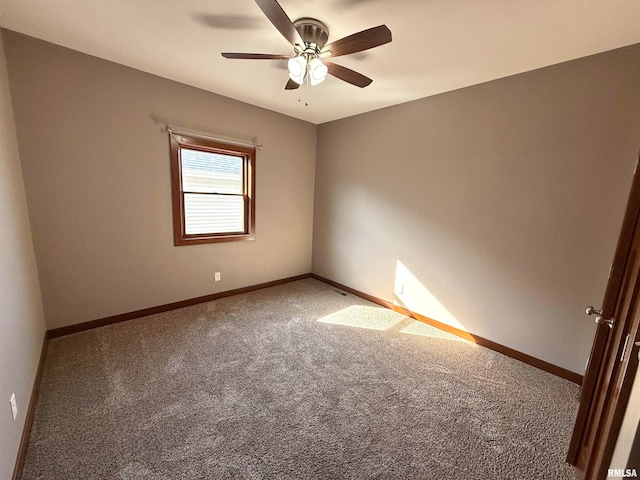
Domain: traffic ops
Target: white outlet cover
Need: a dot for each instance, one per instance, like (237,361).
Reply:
(14,406)
(217,276)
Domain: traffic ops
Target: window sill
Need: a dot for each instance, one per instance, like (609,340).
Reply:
(197,240)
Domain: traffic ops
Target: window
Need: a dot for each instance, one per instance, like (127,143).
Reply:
(213,188)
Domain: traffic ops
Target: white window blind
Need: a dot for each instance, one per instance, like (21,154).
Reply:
(213,187)
(213,214)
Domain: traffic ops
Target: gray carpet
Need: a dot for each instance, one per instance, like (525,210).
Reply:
(291,382)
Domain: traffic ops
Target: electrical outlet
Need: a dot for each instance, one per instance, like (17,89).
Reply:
(217,276)
(14,406)
(400,290)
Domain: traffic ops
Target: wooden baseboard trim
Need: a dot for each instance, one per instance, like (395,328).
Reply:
(31,410)
(123,317)
(509,352)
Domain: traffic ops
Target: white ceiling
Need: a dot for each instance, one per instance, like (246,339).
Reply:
(438,45)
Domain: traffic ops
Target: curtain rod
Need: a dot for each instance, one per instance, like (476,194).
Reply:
(172,131)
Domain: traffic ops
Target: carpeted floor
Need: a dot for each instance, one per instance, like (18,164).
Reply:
(291,382)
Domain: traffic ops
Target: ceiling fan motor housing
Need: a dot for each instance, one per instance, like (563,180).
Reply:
(314,33)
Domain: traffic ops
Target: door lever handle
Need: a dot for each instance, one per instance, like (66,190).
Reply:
(599,318)
(592,311)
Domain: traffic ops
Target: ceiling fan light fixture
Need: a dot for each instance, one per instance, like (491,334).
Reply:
(297,79)
(316,82)
(317,71)
(297,68)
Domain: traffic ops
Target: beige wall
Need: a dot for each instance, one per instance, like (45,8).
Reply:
(21,318)
(97,176)
(495,208)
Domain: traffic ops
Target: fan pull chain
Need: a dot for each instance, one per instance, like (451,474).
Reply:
(306,77)
(302,87)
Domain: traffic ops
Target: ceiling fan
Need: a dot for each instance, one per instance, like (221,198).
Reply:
(308,37)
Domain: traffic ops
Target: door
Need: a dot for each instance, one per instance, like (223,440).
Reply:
(614,354)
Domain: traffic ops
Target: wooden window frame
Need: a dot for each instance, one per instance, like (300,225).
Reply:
(180,237)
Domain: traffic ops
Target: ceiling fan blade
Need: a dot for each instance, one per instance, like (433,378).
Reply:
(291,85)
(280,20)
(364,40)
(255,56)
(348,75)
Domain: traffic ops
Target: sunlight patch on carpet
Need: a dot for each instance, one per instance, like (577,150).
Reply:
(361,316)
